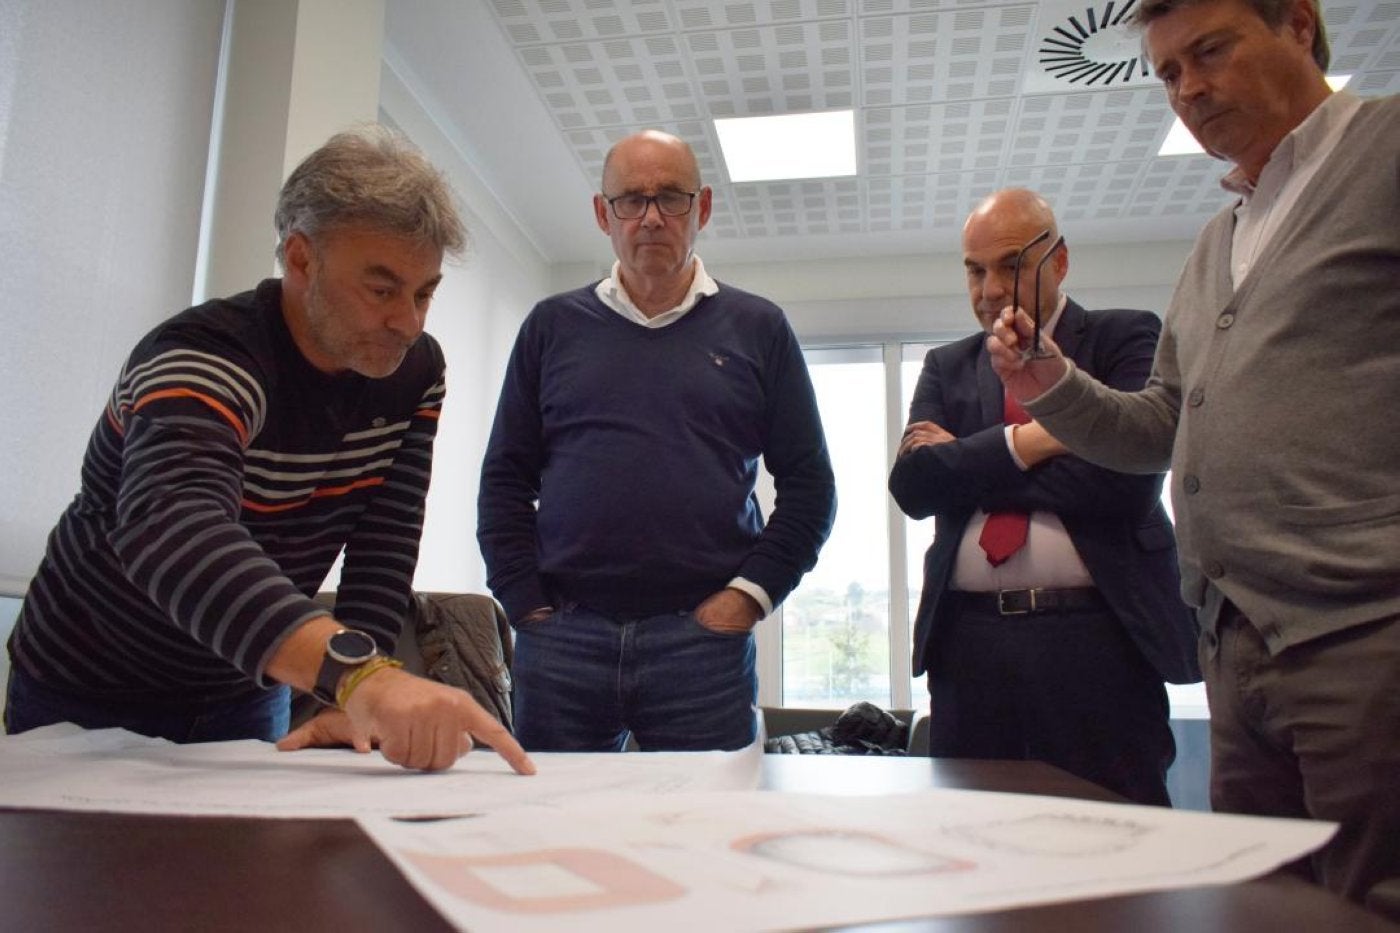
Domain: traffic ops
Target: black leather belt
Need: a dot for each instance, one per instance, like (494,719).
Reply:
(1025,602)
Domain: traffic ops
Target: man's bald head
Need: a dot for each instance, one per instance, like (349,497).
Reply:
(995,232)
(656,145)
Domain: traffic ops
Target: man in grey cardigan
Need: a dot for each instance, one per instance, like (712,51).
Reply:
(1271,398)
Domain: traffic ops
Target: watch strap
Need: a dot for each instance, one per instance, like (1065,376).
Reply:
(336,662)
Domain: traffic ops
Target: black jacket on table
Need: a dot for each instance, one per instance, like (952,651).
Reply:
(1115,520)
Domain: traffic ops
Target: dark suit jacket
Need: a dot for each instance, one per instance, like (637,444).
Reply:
(1115,520)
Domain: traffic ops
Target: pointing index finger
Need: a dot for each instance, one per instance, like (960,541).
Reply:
(484,727)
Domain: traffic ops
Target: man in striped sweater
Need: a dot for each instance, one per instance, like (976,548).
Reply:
(247,442)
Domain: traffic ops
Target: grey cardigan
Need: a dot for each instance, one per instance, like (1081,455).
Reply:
(1276,405)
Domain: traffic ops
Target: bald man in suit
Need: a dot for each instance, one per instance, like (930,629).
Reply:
(1052,643)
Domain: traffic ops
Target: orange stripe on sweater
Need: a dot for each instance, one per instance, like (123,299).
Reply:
(212,402)
(427,413)
(112,420)
(316,494)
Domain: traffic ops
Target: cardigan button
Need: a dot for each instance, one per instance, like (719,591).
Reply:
(1224,321)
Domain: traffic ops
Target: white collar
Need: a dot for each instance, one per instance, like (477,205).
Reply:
(611,292)
(1302,143)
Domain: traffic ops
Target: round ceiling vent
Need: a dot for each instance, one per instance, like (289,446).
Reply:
(1093,47)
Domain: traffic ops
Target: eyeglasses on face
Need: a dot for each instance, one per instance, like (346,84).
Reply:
(1035,350)
(669,203)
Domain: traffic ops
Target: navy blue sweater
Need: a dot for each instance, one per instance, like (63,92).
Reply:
(621,467)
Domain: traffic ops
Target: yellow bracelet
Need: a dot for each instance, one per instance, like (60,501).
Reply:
(355,677)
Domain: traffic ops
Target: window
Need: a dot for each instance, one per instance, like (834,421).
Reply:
(918,535)
(836,625)
(844,634)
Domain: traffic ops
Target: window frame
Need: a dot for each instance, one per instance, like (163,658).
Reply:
(769,635)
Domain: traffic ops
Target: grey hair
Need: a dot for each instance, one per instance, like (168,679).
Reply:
(373,177)
(1272,12)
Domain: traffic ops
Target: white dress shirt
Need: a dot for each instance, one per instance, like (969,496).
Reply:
(1264,205)
(1048,558)
(612,293)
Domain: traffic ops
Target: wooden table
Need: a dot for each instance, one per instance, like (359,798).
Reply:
(100,871)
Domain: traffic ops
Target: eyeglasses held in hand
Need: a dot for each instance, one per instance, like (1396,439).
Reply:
(1035,351)
(669,203)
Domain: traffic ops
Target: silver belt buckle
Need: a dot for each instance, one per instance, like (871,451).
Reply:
(1001,603)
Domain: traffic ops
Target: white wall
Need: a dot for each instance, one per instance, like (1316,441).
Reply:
(105,126)
(922,297)
(475,315)
(105,114)
(293,73)
(925,297)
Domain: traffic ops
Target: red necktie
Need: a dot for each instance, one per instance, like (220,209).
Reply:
(1005,532)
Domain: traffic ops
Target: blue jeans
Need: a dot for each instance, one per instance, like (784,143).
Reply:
(583,681)
(31,704)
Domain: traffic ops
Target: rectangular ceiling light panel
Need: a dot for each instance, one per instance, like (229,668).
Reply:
(798,145)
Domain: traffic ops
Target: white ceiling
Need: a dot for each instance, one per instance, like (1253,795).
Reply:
(953,99)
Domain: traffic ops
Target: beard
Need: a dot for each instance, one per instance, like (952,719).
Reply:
(374,356)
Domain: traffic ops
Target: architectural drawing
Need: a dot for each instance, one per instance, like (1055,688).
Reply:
(761,860)
(1056,834)
(547,880)
(855,853)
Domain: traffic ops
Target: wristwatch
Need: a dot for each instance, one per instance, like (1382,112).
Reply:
(347,649)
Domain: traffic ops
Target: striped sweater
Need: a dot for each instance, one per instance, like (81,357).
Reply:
(222,480)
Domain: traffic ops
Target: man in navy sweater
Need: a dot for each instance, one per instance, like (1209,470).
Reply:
(617,512)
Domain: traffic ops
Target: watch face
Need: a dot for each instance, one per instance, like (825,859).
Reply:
(349,646)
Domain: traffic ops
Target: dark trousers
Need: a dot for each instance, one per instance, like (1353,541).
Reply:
(584,680)
(31,704)
(1068,688)
(1312,732)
